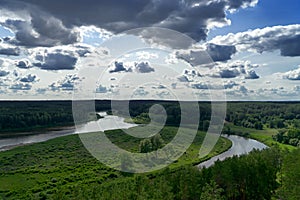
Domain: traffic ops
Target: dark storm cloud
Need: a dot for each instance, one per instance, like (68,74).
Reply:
(118,67)
(233,70)
(283,38)
(206,55)
(56,61)
(3,73)
(82,51)
(251,75)
(138,67)
(290,46)
(194,57)
(143,67)
(57,58)
(193,18)
(35,26)
(23,64)
(220,52)
(41,31)
(10,51)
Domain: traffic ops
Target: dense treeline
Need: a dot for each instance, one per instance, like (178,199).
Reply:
(291,137)
(28,115)
(139,112)
(20,116)
(248,114)
(290,176)
(238,178)
(264,114)
(257,115)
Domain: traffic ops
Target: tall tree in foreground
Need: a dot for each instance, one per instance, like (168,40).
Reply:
(290,188)
(212,192)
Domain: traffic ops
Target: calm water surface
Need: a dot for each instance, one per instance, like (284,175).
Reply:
(109,122)
(240,146)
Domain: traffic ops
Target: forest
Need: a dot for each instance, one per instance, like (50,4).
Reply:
(16,116)
(62,168)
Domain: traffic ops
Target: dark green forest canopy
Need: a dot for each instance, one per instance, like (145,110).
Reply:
(29,115)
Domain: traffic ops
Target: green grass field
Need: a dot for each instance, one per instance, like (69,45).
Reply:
(63,164)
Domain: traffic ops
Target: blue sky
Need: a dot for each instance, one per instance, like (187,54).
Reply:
(49,49)
(265,13)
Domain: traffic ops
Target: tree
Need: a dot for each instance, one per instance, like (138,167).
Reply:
(212,192)
(279,124)
(148,145)
(145,146)
(293,133)
(291,176)
(258,126)
(157,142)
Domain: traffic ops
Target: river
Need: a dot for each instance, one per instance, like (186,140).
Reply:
(109,122)
(239,146)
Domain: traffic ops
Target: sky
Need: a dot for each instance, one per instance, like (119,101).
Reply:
(153,49)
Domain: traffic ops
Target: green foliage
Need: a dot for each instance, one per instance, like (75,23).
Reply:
(212,192)
(264,114)
(227,130)
(145,146)
(139,112)
(29,115)
(290,176)
(152,144)
(291,137)
(247,177)
(62,168)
